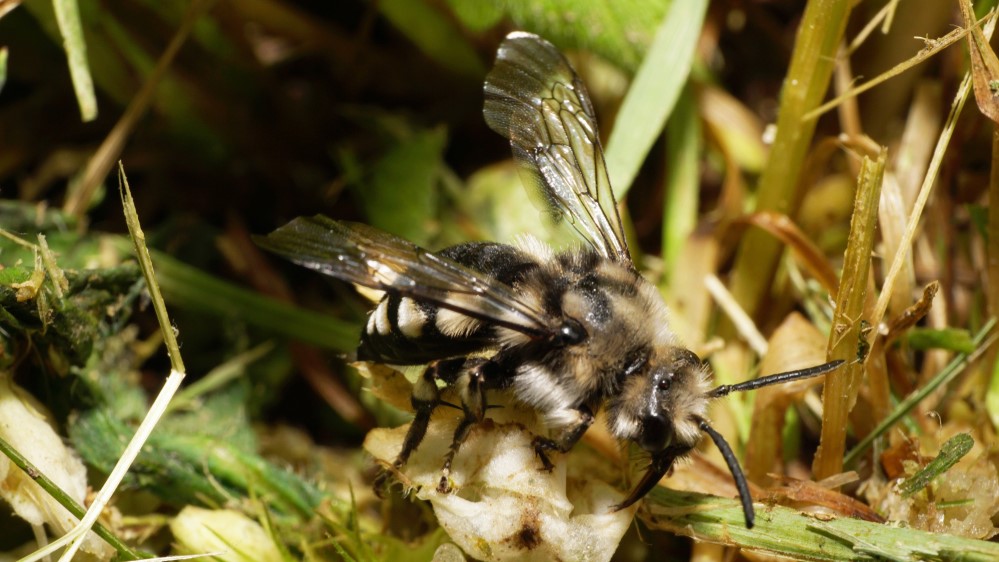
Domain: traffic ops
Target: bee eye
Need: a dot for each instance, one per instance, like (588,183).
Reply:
(571,333)
(664,382)
(689,357)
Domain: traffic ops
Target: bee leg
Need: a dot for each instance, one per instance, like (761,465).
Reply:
(425,399)
(569,436)
(473,384)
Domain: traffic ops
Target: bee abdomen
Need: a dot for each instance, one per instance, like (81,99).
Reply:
(402,330)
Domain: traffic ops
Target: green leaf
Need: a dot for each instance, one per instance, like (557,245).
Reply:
(433,34)
(654,92)
(477,15)
(619,31)
(683,180)
(952,451)
(953,339)
(992,396)
(67,14)
(790,534)
(813,59)
(3,67)
(401,194)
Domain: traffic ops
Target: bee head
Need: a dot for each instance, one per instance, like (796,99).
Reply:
(670,417)
(662,399)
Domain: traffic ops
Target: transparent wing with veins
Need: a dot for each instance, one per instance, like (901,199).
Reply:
(535,99)
(360,254)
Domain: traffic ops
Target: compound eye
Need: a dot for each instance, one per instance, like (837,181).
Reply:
(688,357)
(571,332)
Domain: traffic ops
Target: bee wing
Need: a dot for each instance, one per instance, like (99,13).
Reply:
(535,99)
(370,257)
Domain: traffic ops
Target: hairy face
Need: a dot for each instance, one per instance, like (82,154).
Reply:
(661,403)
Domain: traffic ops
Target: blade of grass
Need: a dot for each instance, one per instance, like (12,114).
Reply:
(992,288)
(933,46)
(3,67)
(67,14)
(74,538)
(819,36)
(99,165)
(984,65)
(683,179)
(146,264)
(433,34)
(124,551)
(841,388)
(654,92)
(944,377)
(189,287)
(797,536)
(927,187)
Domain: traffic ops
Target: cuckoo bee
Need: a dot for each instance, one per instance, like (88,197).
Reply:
(565,332)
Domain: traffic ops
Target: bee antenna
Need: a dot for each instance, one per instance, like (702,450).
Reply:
(735,469)
(775,379)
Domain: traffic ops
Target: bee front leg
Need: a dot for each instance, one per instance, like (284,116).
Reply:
(581,419)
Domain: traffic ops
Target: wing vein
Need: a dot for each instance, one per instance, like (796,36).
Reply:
(360,254)
(536,100)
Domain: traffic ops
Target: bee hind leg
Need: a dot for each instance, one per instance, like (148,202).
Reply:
(425,399)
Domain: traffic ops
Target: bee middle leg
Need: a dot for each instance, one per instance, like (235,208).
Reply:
(472,383)
(581,420)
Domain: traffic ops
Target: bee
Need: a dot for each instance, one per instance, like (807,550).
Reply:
(565,332)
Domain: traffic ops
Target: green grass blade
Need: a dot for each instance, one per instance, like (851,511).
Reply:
(3,67)
(787,533)
(433,34)
(67,14)
(952,451)
(186,286)
(905,406)
(124,551)
(654,92)
(819,35)
(683,179)
(847,334)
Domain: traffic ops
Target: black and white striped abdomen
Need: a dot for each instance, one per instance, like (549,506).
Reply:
(404,331)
